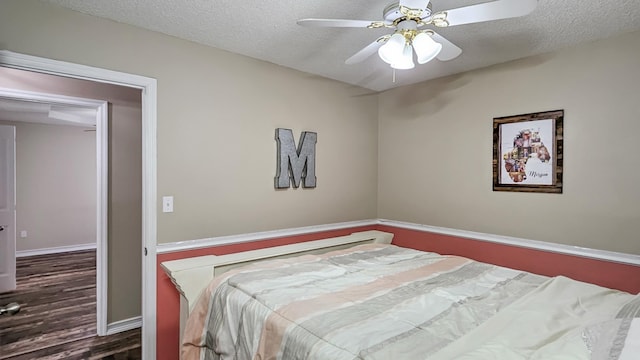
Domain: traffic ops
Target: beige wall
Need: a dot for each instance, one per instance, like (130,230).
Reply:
(125,180)
(436,148)
(55,185)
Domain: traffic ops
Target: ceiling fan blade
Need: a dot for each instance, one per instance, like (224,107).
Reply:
(78,118)
(449,50)
(337,23)
(366,51)
(493,10)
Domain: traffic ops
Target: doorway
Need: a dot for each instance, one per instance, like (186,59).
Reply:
(61,190)
(147,87)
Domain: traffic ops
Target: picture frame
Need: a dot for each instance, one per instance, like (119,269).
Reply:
(528,152)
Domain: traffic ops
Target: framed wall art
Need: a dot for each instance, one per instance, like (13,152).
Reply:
(527,152)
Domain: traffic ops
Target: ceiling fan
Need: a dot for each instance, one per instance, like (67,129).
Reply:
(409,19)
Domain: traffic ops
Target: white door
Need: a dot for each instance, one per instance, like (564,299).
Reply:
(7,208)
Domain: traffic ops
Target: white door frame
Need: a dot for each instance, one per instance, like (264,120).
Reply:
(149,166)
(102,188)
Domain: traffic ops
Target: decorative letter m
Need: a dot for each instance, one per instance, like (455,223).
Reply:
(295,164)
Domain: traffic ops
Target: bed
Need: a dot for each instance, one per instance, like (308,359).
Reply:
(359,297)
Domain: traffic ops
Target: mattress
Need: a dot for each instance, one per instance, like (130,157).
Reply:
(386,302)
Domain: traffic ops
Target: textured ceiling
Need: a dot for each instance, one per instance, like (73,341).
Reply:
(267,30)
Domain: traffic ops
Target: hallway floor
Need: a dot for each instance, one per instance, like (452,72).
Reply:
(57,293)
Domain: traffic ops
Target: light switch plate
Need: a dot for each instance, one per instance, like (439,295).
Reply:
(167,204)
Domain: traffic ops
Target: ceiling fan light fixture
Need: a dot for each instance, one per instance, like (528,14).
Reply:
(393,49)
(426,48)
(405,61)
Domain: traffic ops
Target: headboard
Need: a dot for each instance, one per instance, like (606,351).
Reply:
(192,275)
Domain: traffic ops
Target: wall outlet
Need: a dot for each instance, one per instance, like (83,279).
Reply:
(23,234)
(167,204)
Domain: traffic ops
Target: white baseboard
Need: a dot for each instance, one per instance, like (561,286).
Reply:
(124,325)
(264,235)
(623,258)
(56,250)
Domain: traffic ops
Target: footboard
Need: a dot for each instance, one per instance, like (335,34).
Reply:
(191,275)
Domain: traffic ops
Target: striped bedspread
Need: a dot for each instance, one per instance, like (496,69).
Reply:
(387,302)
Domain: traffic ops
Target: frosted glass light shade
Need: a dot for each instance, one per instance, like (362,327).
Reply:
(393,49)
(426,48)
(404,62)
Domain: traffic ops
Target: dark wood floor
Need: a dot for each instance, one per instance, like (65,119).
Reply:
(58,316)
